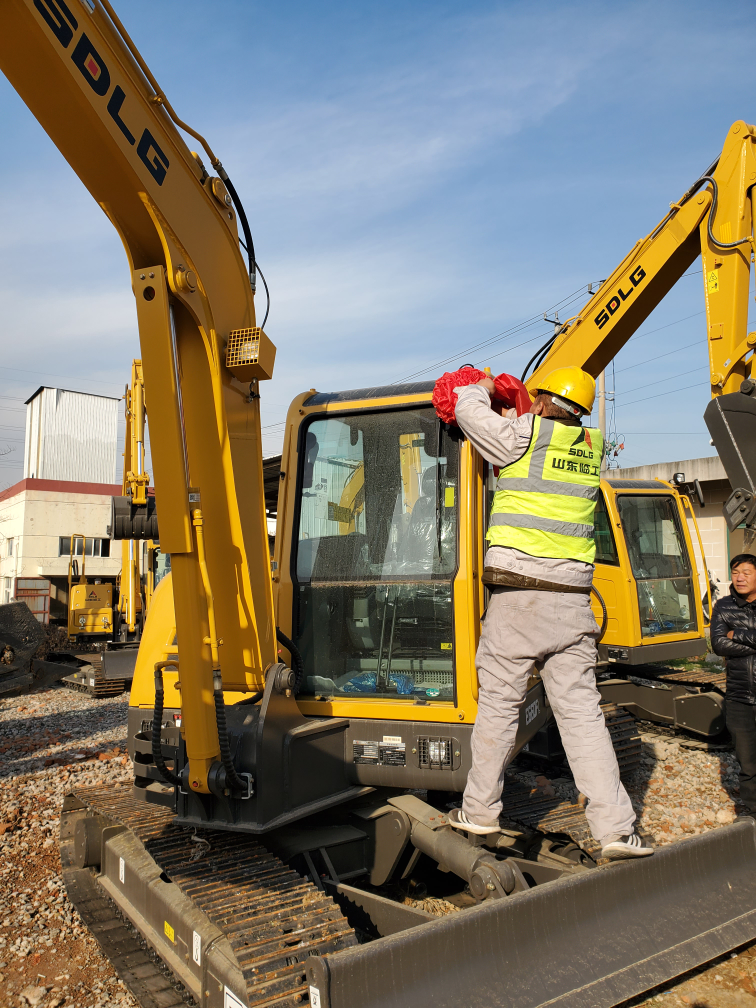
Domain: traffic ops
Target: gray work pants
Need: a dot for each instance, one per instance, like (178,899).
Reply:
(557,632)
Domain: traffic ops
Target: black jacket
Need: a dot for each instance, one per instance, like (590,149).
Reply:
(734,613)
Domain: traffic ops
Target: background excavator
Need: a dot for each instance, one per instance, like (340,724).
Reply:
(279,809)
(112,622)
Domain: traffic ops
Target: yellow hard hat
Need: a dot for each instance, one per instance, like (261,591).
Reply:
(570,383)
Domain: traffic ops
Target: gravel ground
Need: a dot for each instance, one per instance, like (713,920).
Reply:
(676,792)
(51,741)
(54,740)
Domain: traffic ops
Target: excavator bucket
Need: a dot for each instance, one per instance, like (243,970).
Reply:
(587,941)
(731,420)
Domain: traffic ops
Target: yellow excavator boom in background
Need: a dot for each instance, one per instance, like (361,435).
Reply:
(137,556)
(303,784)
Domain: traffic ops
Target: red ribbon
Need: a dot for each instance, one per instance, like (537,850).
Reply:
(510,392)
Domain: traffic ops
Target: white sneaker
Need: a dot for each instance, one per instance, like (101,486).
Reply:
(630,846)
(459,820)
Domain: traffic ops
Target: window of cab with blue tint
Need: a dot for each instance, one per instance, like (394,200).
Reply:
(376,554)
(660,563)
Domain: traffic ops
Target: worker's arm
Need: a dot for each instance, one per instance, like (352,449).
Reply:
(744,638)
(727,646)
(499,439)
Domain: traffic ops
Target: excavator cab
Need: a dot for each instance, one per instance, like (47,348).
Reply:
(647,601)
(373,551)
(381,538)
(646,592)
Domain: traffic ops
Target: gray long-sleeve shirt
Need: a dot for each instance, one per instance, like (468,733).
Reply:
(502,440)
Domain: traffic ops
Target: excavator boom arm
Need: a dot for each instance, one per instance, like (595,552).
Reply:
(714,219)
(81,76)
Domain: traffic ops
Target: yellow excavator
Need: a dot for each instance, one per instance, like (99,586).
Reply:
(132,607)
(93,616)
(90,605)
(284,811)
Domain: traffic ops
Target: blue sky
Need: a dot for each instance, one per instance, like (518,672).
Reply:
(420,177)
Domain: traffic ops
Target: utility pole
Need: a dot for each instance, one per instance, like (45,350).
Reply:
(602,414)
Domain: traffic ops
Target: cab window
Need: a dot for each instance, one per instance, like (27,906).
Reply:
(376,554)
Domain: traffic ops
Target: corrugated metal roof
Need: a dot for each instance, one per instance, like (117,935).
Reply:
(96,394)
(71,436)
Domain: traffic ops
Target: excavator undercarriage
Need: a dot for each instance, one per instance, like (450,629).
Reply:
(238,925)
(329,905)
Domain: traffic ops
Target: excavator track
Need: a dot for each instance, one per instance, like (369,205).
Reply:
(549,815)
(93,683)
(702,678)
(623,729)
(273,918)
(699,678)
(546,814)
(102,688)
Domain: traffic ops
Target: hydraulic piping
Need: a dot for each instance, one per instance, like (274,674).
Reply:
(159,98)
(604,613)
(157,723)
(296,659)
(233,779)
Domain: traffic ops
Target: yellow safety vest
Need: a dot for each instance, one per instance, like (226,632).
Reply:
(544,502)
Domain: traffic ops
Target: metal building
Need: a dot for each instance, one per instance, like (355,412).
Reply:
(71,436)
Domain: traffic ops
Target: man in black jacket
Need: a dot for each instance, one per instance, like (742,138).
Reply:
(733,635)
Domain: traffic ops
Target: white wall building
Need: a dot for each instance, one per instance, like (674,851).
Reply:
(71,436)
(37,518)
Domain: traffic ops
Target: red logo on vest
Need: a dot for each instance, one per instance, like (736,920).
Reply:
(588,439)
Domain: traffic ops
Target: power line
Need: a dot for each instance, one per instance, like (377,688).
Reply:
(696,385)
(524,325)
(94,381)
(502,335)
(671,378)
(650,360)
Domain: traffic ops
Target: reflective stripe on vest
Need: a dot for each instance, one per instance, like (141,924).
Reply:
(544,502)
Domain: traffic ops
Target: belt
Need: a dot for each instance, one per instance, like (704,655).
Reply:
(492,576)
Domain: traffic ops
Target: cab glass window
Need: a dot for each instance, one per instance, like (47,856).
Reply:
(660,563)
(606,551)
(376,554)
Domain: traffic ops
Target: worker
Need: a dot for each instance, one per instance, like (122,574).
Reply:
(733,636)
(539,567)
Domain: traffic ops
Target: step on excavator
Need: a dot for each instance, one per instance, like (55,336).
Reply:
(297,726)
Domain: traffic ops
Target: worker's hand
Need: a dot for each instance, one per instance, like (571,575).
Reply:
(487,383)
(730,634)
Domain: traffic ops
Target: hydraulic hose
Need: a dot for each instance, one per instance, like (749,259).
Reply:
(296,659)
(157,723)
(712,215)
(250,700)
(249,244)
(233,780)
(539,355)
(604,614)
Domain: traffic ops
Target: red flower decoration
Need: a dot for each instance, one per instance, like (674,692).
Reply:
(510,392)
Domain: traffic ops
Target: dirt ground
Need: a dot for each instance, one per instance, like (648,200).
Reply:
(50,742)
(54,740)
